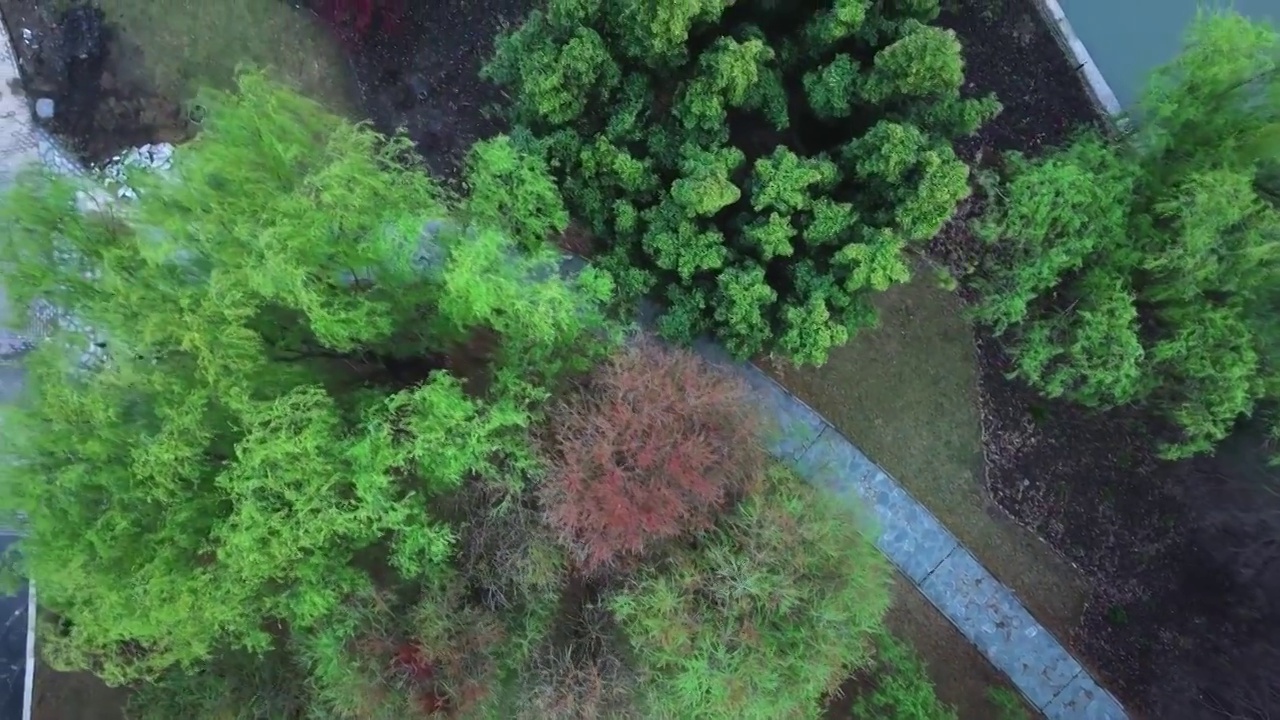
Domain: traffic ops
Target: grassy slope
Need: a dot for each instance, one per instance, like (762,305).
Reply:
(189,43)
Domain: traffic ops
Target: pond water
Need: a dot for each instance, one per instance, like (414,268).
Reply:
(1129,39)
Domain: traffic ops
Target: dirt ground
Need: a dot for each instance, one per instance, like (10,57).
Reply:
(147,60)
(425,77)
(74,696)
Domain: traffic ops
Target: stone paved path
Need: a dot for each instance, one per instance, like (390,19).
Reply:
(985,611)
(18,148)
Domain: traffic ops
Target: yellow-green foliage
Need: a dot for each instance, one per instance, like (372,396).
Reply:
(267,497)
(901,688)
(769,614)
(220,473)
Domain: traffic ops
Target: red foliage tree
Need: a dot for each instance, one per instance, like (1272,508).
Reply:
(353,20)
(649,450)
(411,662)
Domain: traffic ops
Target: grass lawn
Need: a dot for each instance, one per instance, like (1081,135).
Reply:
(189,43)
(906,394)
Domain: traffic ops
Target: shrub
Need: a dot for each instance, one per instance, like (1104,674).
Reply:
(269,411)
(650,450)
(581,676)
(1143,270)
(762,169)
(764,617)
(902,689)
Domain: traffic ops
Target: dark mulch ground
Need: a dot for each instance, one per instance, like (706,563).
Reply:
(1168,602)
(425,77)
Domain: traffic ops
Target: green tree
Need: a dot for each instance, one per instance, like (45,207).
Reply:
(757,622)
(258,449)
(1145,269)
(689,173)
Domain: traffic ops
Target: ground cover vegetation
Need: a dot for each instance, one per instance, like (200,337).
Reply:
(289,456)
(760,167)
(1142,269)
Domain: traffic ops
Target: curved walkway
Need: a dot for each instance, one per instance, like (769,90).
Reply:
(984,610)
(987,612)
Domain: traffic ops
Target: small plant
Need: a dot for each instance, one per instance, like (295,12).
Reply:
(946,280)
(1009,705)
(901,687)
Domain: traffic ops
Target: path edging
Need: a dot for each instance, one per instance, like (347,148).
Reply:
(1100,93)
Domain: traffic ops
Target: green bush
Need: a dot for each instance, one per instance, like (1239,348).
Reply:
(1009,705)
(258,454)
(761,168)
(1144,270)
(762,618)
(901,687)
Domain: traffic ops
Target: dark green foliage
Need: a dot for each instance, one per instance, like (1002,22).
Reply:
(761,169)
(1146,270)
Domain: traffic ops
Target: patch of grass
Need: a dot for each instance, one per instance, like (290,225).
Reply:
(906,393)
(1009,705)
(190,43)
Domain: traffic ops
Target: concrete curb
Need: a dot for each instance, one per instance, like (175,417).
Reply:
(1100,93)
(18,148)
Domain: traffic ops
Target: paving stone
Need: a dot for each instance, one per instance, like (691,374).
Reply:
(906,532)
(990,615)
(797,425)
(1082,699)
